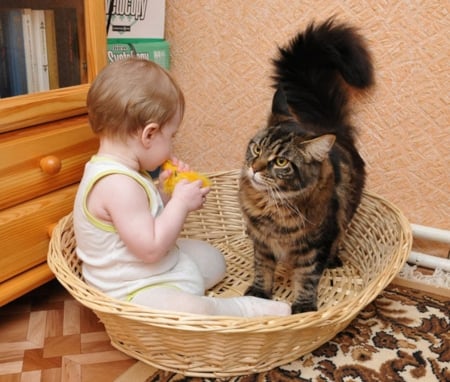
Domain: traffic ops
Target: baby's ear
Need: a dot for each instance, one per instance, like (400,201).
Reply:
(148,133)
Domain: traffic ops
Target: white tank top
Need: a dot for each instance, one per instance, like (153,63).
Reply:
(107,263)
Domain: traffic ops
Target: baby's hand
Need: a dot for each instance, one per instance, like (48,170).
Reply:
(176,170)
(168,171)
(190,194)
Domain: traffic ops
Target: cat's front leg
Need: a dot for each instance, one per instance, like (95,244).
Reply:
(306,287)
(264,268)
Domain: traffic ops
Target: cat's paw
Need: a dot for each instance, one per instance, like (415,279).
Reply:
(302,307)
(335,262)
(257,292)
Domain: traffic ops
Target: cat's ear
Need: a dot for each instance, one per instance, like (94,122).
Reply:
(279,103)
(318,148)
(280,108)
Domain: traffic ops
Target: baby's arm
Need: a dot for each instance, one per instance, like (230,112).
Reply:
(122,201)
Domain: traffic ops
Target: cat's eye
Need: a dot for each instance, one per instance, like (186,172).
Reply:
(281,162)
(256,149)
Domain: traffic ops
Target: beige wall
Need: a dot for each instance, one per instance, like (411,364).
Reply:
(221,51)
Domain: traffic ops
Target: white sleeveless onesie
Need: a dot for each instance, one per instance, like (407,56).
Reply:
(107,264)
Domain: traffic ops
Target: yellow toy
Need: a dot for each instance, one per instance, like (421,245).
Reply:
(176,176)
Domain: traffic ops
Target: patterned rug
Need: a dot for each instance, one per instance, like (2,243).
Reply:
(403,335)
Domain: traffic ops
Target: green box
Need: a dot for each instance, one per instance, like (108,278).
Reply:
(151,49)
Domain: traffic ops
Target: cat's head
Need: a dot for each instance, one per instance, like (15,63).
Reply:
(284,156)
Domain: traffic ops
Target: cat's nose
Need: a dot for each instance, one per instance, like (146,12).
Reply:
(257,166)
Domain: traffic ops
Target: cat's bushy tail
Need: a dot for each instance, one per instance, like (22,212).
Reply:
(309,73)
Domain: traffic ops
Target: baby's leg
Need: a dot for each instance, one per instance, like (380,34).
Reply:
(209,259)
(172,299)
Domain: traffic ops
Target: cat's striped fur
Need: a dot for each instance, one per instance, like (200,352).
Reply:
(303,177)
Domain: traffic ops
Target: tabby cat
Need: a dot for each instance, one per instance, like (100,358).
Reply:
(303,176)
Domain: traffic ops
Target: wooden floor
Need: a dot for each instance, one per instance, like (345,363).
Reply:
(46,336)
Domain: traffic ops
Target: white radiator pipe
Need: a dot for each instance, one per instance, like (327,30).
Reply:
(430,233)
(433,234)
(428,261)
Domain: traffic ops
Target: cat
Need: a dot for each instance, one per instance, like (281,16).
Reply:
(303,177)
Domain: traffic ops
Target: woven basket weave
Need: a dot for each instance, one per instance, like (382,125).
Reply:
(377,244)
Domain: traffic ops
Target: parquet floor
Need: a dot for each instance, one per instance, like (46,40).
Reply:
(47,336)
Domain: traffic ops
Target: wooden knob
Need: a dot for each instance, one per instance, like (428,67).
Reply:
(50,229)
(50,164)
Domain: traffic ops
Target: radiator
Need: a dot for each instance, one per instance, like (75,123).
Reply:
(423,259)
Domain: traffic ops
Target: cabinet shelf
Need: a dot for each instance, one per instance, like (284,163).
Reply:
(40,107)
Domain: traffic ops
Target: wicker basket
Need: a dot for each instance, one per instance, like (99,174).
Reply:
(376,246)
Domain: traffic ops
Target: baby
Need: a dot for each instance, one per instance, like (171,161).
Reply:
(126,228)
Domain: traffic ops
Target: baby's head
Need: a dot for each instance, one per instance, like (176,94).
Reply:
(129,94)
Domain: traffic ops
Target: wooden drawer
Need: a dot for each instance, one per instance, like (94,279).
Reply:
(24,231)
(42,159)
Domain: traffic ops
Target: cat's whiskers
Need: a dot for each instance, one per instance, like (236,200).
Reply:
(278,196)
(271,197)
(281,196)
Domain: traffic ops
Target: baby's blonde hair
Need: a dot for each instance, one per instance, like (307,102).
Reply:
(129,94)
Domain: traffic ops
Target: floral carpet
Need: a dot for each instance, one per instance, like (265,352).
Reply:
(403,335)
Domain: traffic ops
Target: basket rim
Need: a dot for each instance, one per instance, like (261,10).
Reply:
(230,324)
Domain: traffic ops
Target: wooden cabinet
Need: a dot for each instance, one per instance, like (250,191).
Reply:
(45,140)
